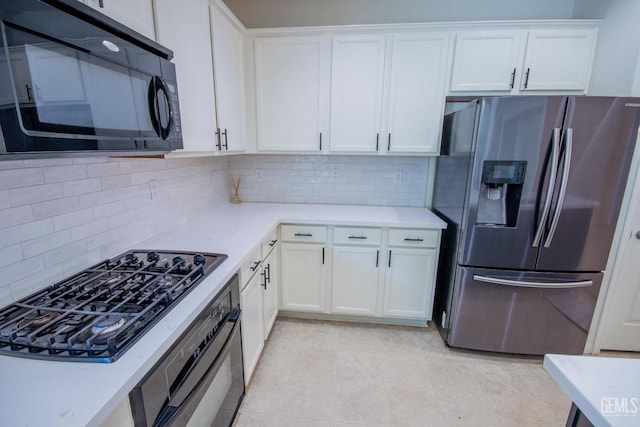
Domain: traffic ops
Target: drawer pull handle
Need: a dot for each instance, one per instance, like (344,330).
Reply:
(407,239)
(255,265)
(273,242)
(358,237)
(303,235)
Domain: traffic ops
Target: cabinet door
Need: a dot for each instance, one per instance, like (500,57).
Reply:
(228,72)
(135,14)
(251,304)
(183,26)
(354,287)
(303,277)
(270,267)
(558,59)
(357,72)
(409,283)
(486,60)
(291,92)
(417,92)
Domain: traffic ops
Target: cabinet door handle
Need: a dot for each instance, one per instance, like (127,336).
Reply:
(377,141)
(389,259)
(303,235)
(322,256)
(513,77)
(273,242)
(377,257)
(255,265)
(407,239)
(264,281)
(226,141)
(526,78)
(320,141)
(101,3)
(358,237)
(218,139)
(29,97)
(389,143)
(268,270)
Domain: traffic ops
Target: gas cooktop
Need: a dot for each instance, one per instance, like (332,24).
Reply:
(99,313)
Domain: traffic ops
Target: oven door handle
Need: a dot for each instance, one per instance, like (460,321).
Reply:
(193,387)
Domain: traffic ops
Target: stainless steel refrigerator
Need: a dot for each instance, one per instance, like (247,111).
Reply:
(530,188)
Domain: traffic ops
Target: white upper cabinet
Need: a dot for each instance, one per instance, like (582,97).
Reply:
(515,61)
(486,60)
(357,77)
(135,14)
(558,59)
(228,71)
(183,26)
(291,92)
(387,92)
(417,92)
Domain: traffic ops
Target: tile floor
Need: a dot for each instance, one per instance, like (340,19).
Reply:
(340,374)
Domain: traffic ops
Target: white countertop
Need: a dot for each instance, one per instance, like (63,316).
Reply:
(605,389)
(54,393)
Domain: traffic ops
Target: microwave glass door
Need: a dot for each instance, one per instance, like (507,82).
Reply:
(64,91)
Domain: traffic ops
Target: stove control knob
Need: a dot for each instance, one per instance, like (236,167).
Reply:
(153,256)
(178,260)
(199,259)
(130,259)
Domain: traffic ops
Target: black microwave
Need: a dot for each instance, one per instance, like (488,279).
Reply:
(74,82)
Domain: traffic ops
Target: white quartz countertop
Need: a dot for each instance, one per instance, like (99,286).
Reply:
(56,393)
(605,389)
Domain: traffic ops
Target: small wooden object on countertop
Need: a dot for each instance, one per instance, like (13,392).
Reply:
(236,188)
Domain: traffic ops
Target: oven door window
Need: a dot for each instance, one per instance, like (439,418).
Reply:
(62,91)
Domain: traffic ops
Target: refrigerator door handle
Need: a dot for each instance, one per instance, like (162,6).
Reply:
(568,145)
(524,284)
(555,142)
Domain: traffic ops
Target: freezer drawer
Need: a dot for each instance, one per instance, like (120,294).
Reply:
(522,312)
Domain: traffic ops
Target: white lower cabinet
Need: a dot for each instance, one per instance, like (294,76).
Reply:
(251,301)
(354,285)
(373,272)
(303,277)
(270,284)
(409,283)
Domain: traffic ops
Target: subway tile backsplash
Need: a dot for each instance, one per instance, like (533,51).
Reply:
(356,180)
(58,216)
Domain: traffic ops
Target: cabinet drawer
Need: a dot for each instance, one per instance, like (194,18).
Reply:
(357,236)
(269,243)
(414,238)
(303,233)
(249,267)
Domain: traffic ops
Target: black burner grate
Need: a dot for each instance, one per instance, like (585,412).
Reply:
(100,312)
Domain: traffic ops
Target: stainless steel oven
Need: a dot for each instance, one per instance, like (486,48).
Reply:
(200,380)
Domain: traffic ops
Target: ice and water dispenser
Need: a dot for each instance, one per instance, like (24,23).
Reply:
(500,191)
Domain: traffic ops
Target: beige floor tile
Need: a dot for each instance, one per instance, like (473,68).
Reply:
(314,363)
(251,419)
(358,402)
(308,398)
(284,421)
(342,374)
(265,394)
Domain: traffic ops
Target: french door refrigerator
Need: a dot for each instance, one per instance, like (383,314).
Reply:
(530,188)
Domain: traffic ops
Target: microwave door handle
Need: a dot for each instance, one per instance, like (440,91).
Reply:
(552,178)
(527,284)
(568,146)
(156,87)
